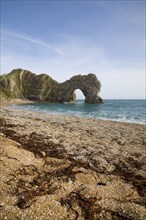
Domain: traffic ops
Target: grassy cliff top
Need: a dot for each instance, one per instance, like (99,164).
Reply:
(19,83)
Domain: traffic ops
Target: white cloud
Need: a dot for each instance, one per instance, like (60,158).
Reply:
(32,40)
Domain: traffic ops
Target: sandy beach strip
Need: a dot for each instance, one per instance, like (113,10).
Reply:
(98,168)
(9,102)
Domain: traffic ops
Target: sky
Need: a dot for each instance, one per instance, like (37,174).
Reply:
(66,38)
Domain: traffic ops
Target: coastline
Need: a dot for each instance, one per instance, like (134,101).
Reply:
(9,102)
(113,118)
(95,167)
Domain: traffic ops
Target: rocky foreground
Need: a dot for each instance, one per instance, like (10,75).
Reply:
(57,167)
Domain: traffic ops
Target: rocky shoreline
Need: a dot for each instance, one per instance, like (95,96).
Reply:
(59,167)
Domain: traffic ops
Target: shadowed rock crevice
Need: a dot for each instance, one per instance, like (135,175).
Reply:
(24,84)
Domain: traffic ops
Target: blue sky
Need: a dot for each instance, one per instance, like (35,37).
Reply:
(65,38)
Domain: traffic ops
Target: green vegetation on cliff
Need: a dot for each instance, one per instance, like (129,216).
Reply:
(23,84)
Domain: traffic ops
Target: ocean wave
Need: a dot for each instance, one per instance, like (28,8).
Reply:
(116,110)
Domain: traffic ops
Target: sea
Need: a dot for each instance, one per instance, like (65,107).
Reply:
(132,111)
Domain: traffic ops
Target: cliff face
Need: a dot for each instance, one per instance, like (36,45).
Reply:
(24,84)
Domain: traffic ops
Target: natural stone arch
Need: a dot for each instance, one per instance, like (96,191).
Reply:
(21,83)
(88,84)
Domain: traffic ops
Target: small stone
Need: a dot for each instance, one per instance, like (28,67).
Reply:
(2,135)
(43,153)
(120,142)
(2,204)
(1,151)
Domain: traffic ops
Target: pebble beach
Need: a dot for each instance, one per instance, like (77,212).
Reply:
(65,167)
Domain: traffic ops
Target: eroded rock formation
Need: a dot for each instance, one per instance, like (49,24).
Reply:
(88,84)
(24,84)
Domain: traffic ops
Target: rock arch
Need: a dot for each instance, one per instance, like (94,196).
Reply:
(21,83)
(88,84)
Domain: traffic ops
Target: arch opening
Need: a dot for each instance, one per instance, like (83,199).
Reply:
(76,95)
(79,94)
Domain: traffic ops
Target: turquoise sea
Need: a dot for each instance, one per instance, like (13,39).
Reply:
(116,110)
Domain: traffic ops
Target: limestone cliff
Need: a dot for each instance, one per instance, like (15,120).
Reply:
(24,84)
